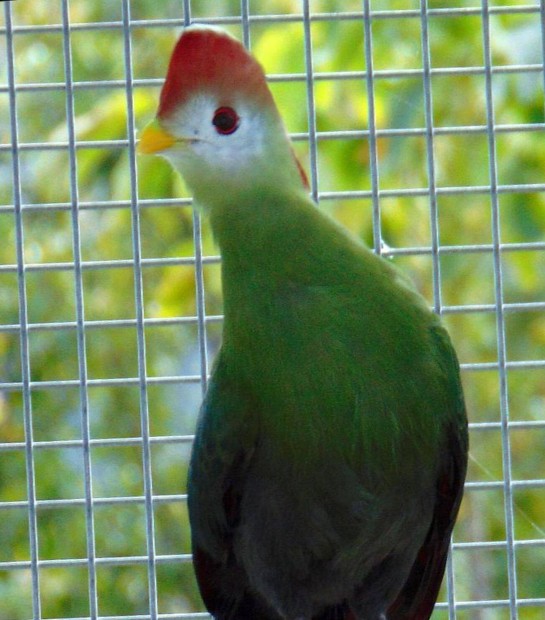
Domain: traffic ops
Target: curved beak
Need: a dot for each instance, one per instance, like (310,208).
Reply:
(154,139)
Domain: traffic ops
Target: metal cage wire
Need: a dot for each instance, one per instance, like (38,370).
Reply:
(513,603)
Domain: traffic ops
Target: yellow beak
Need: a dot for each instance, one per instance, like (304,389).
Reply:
(154,139)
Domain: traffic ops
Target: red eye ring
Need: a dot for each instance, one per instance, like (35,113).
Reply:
(226,120)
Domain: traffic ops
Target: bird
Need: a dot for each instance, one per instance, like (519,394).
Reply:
(330,452)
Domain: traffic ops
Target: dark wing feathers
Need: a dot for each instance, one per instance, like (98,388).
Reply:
(224,585)
(417,597)
(227,594)
(224,589)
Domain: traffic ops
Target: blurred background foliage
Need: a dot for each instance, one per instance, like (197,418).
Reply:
(103,175)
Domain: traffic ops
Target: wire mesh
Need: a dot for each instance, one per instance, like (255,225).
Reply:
(422,128)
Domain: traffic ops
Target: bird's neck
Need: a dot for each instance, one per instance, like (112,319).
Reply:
(261,237)
(252,227)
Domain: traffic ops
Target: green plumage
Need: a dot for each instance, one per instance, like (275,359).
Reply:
(334,405)
(323,330)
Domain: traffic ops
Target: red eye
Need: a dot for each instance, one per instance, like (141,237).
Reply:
(225,120)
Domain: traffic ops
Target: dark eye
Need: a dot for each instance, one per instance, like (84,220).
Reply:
(225,120)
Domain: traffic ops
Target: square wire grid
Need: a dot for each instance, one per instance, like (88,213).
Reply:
(93,444)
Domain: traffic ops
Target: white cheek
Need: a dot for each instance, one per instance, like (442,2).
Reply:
(220,158)
(233,153)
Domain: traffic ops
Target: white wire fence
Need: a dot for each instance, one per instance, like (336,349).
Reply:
(421,126)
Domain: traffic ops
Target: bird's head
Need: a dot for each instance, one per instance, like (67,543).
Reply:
(217,122)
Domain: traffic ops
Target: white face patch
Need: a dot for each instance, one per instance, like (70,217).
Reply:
(217,165)
(203,145)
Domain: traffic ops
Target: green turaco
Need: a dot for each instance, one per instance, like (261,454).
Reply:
(331,448)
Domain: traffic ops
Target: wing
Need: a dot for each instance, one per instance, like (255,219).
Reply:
(417,597)
(221,454)
(225,590)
